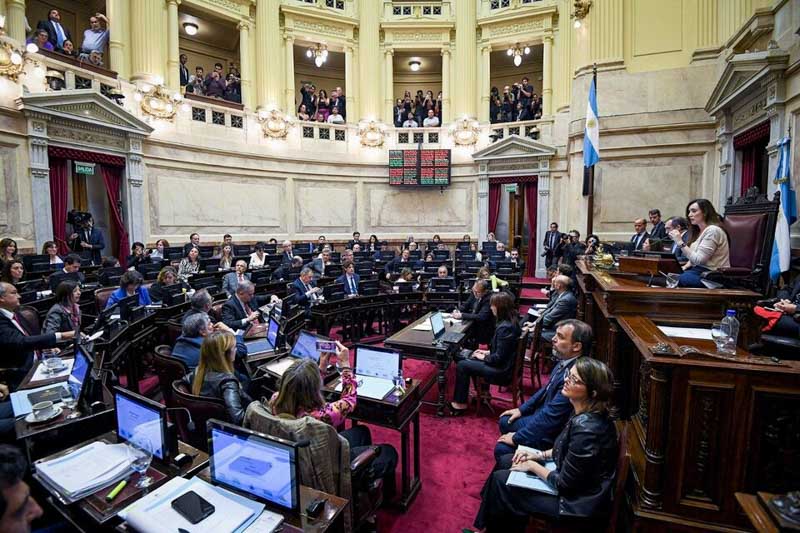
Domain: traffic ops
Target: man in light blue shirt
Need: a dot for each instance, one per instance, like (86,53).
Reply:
(96,37)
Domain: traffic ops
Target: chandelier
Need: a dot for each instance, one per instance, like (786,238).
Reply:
(319,53)
(156,100)
(13,56)
(518,52)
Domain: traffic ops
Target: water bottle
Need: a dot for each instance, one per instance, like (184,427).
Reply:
(733,331)
(399,383)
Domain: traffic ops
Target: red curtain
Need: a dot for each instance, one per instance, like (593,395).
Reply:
(494,206)
(749,163)
(90,157)
(531,194)
(59,198)
(112,179)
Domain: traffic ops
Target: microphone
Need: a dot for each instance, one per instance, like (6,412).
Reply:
(190,425)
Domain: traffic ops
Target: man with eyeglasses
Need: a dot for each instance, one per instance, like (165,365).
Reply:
(96,37)
(537,422)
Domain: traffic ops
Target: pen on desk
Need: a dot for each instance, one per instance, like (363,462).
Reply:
(116,490)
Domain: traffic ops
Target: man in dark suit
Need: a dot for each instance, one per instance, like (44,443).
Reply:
(71,270)
(638,239)
(563,306)
(338,100)
(89,238)
(680,224)
(231,280)
(236,312)
(398,263)
(355,240)
(478,309)
(305,291)
(659,230)
(282,272)
(194,242)
(318,265)
(349,278)
(537,422)
(552,239)
(287,255)
(17,345)
(517,260)
(57,32)
(184,70)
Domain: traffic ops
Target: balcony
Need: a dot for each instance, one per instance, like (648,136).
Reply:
(342,7)
(489,8)
(399,11)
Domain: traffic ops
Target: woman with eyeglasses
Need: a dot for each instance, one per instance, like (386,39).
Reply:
(581,465)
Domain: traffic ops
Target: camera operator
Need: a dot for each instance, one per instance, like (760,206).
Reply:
(85,237)
(573,248)
(509,104)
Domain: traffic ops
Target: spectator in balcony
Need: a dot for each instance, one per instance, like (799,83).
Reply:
(335,117)
(323,106)
(184,70)
(95,57)
(309,98)
(495,109)
(509,103)
(399,113)
(523,113)
(338,99)
(233,88)
(431,121)
(536,105)
(525,92)
(56,32)
(196,82)
(214,85)
(438,106)
(96,37)
(69,49)
(40,39)
(302,113)
(410,122)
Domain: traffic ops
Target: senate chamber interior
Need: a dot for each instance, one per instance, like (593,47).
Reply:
(399,265)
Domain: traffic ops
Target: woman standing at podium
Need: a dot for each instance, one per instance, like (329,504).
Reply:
(707,248)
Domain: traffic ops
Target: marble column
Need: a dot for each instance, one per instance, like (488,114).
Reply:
(542,223)
(39,171)
(245,69)
(289,83)
(447,112)
(118,20)
(173,54)
(483,203)
(369,16)
(134,193)
(389,95)
(707,24)
(268,58)
(15,19)
(727,159)
(563,85)
(465,58)
(3,8)
(547,76)
(147,41)
(350,85)
(486,83)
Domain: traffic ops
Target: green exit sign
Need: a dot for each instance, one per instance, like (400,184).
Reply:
(511,188)
(84,168)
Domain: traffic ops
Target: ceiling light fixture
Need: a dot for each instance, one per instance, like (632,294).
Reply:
(415,65)
(319,53)
(190,28)
(517,52)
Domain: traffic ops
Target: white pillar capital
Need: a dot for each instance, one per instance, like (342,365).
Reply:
(176,3)
(243,26)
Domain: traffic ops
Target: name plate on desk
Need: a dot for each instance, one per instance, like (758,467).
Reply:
(649,265)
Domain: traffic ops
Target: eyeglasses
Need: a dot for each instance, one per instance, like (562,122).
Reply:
(572,379)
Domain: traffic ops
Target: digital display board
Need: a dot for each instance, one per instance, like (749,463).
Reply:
(419,168)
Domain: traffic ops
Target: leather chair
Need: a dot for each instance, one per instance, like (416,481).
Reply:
(777,346)
(485,396)
(202,410)
(101,297)
(168,369)
(31,317)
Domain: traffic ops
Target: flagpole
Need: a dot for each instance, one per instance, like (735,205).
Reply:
(590,174)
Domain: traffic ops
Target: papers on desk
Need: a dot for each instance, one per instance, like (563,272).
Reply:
(686,333)
(20,400)
(232,513)
(530,481)
(94,336)
(41,373)
(424,326)
(371,387)
(86,470)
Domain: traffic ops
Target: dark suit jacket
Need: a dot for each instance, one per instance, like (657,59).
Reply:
(396,265)
(480,312)
(549,244)
(230,282)
(52,36)
(678,252)
(17,349)
(561,308)
(659,231)
(300,297)
(233,313)
(59,276)
(184,75)
(341,103)
(503,347)
(638,246)
(286,258)
(95,239)
(347,288)
(316,267)
(57,319)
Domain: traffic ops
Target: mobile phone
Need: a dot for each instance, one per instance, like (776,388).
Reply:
(192,507)
(326,346)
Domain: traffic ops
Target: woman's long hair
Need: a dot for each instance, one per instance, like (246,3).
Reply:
(213,358)
(299,390)
(710,215)
(598,379)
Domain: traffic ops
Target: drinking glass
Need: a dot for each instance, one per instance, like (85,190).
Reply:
(140,451)
(52,362)
(672,280)
(719,332)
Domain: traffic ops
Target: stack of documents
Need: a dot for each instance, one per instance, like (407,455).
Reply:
(86,470)
(232,513)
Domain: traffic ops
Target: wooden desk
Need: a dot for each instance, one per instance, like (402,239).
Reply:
(704,428)
(603,295)
(417,344)
(758,515)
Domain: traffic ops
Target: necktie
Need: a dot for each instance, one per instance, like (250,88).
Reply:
(353,289)
(247,310)
(60,37)
(17,323)
(241,278)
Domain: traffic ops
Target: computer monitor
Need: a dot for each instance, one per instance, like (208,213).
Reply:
(242,249)
(437,325)
(305,347)
(126,306)
(262,466)
(141,420)
(404,287)
(442,284)
(273,329)
(333,291)
(377,362)
(78,380)
(333,271)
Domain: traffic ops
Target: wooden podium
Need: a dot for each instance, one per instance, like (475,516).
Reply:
(649,265)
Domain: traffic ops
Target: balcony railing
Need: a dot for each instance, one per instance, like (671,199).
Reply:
(343,7)
(401,11)
(492,7)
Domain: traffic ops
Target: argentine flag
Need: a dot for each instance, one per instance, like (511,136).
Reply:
(787,214)
(591,132)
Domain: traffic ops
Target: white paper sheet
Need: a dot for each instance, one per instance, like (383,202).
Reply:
(686,333)
(41,371)
(425,326)
(530,481)
(267,522)
(91,466)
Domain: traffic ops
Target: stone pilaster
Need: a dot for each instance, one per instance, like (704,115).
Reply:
(465,59)
(268,58)
(245,68)
(369,15)
(173,49)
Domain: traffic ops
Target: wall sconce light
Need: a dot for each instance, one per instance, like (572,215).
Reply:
(274,123)
(415,65)
(190,28)
(156,100)
(517,51)
(372,133)
(13,56)
(580,11)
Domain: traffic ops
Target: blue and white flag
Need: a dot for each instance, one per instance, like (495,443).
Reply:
(787,213)
(591,131)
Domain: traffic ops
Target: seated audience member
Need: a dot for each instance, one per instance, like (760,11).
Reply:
(356,248)
(373,244)
(214,376)
(41,39)
(355,240)
(196,328)
(200,302)
(707,247)
(8,250)
(473,247)
(410,122)
(497,283)
(659,230)
(237,312)
(50,249)
(16,343)
(442,272)
(788,325)
(65,314)
(585,454)
(287,255)
(305,290)
(167,277)
(13,272)
(641,235)
(72,265)
(157,253)
(431,121)
(96,37)
(129,284)
(18,508)
(349,278)
(231,280)
(68,49)
(194,242)
(226,257)
(258,258)
(335,117)
(517,260)
(318,265)
(537,421)
(190,264)
(95,57)
(282,272)
(322,242)
(681,225)
(302,113)
(300,394)
(496,364)
(478,309)
(501,247)
(398,263)
(138,255)
(562,306)
(406,276)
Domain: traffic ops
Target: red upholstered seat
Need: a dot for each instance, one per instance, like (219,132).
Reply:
(745,237)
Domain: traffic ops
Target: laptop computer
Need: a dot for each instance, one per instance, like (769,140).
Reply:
(258,349)
(75,386)
(305,347)
(439,333)
(375,370)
